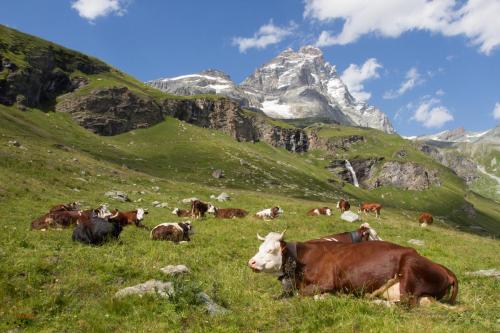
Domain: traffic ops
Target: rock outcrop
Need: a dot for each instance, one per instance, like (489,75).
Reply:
(111,111)
(363,167)
(333,144)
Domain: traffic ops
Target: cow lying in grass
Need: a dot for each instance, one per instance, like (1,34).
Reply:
(175,232)
(181,212)
(269,213)
(226,213)
(370,207)
(60,217)
(425,219)
(97,231)
(131,217)
(379,269)
(319,211)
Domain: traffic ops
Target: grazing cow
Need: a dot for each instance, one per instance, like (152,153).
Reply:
(319,211)
(425,219)
(130,217)
(363,234)
(381,268)
(198,209)
(226,213)
(343,205)
(175,232)
(181,212)
(97,231)
(72,206)
(269,213)
(370,207)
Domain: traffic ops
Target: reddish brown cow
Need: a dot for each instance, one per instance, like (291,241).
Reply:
(130,217)
(343,205)
(381,268)
(227,213)
(319,211)
(198,209)
(370,207)
(57,219)
(425,219)
(181,212)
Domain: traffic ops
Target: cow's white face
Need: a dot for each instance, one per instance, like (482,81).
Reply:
(280,211)
(329,212)
(140,214)
(103,212)
(338,204)
(269,258)
(211,209)
(175,211)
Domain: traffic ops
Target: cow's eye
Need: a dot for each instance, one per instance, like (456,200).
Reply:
(270,251)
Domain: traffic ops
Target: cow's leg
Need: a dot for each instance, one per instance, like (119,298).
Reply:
(391,292)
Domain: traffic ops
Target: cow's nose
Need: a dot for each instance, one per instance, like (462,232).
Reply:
(251,263)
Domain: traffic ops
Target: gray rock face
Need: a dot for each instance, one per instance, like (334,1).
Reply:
(292,85)
(335,144)
(110,111)
(363,167)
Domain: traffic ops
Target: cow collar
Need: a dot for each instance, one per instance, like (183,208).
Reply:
(289,260)
(355,237)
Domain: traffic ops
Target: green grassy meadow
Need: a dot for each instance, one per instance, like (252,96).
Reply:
(50,284)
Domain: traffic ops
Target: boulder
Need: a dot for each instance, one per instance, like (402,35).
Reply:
(117,195)
(349,216)
(189,200)
(212,308)
(486,272)
(221,197)
(158,204)
(173,270)
(417,242)
(218,173)
(162,289)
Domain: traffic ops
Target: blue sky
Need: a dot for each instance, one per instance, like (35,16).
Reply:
(430,66)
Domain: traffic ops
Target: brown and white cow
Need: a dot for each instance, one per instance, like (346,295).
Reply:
(56,219)
(319,211)
(269,213)
(364,233)
(226,213)
(198,209)
(425,219)
(175,232)
(72,206)
(181,212)
(381,269)
(130,217)
(370,207)
(343,205)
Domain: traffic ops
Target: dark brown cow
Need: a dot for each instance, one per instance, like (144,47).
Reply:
(363,234)
(425,219)
(381,268)
(227,213)
(175,232)
(181,212)
(319,211)
(198,209)
(130,217)
(343,205)
(370,207)
(57,219)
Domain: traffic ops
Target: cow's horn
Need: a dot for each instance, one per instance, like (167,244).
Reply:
(283,233)
(259,237)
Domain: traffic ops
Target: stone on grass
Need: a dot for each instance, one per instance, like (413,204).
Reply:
(221,197)
(117,195)
(158,204)
(151,287)
(155,188)
(218,173)
(189,200)
(486,272)
(212,308)
(417,242)
(349,216)
(174,269)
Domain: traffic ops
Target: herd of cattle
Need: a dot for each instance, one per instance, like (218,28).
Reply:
(357,262)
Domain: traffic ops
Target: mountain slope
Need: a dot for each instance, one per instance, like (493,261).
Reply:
(293,85)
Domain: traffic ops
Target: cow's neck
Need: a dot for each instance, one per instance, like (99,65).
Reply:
(289,259)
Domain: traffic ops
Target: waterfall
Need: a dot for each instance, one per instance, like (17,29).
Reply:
(353,173)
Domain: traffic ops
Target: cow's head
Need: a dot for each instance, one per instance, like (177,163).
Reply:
(269,258)
(75,206)
(211,208)
(103,212)
(370,232)
(140,216)
(277,210)
(175,211)
(187,227)
(328,212)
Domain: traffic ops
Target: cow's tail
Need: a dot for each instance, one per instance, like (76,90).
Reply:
(454,286)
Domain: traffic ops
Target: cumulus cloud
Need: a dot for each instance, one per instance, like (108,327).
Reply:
(496,111)
(431,113)
(92,9)
(267,34)
(476,19)
(412,79)
(354,76)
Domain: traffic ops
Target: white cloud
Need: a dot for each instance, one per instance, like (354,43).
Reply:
(496,111)
(92,9)
(412,79)
(354,76)
(476,19)
(440,92)
(267,34)
(432,114)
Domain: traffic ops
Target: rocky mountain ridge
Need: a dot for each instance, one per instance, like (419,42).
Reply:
(293,85)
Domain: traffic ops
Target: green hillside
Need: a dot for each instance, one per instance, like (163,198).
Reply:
(49,283)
